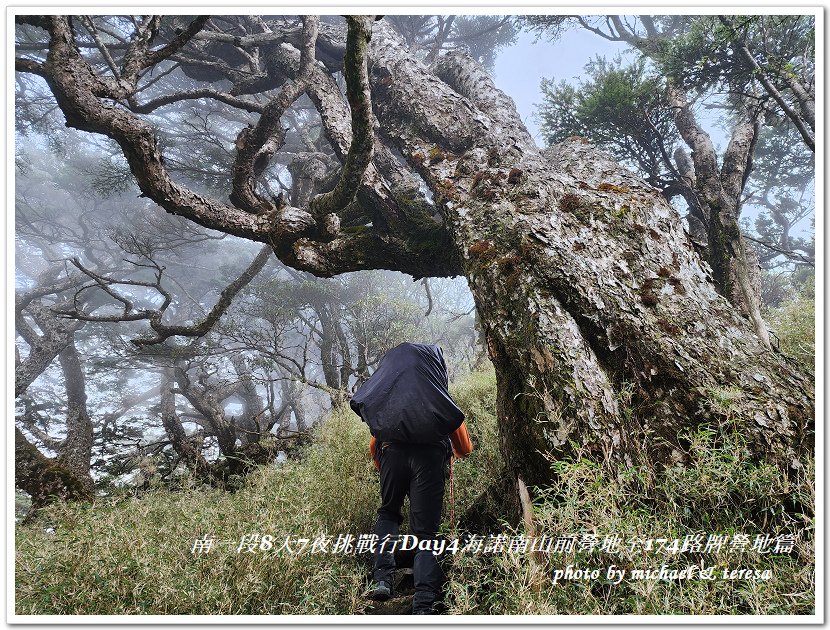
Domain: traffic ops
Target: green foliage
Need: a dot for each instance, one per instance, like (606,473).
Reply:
(370,308)
(698,57)
(720,491)
(110,177)
(624,109)
(783,173)
(701,56)
(386,321)
(619,107)
(794,324)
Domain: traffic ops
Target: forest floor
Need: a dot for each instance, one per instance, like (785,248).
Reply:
(134,554)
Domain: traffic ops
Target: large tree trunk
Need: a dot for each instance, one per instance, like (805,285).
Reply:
(251,424)
(66,477)
(588,290)
(77,448)
(184,445)
(718,188)
(586,285)
(593,288)
(43,348)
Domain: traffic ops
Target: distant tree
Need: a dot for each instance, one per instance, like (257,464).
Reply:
(631,110)
(623,109)
(78,248)
(482,36)
(782,188)
(744,54)
(161,334)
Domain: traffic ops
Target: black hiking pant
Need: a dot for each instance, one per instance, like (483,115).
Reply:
(417,470)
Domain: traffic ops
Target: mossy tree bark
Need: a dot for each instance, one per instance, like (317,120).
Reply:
(590,292)
(43,478)
(604,325)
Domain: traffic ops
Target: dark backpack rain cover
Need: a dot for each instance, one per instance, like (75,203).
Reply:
(406,399)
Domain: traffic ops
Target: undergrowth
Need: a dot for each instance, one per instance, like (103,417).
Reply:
(134,555)
(719,492)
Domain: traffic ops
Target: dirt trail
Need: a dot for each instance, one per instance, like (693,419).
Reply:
(400,603)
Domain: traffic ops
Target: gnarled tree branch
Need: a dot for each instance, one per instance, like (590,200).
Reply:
(164,331)
(255,145)
(360,102)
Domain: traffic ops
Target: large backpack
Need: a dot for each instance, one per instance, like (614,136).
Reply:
(406,399)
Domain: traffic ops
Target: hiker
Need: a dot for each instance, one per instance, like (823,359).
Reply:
(416,428)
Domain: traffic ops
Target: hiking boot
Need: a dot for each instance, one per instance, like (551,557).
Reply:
(426,611)
(381,591)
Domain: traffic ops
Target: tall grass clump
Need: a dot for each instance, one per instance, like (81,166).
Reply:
(719,491)
(473,476)
(133,555)
(794,324)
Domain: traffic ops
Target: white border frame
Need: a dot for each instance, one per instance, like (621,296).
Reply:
(482,7)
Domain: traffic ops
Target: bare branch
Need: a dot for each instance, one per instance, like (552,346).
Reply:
(29,65)
(56,335)
(703,150)
(77,91)
(610,36)
(792,255)
(223,97)
(90,26)
(139,56)
(164,331)
(155,56)
(737,159)
(425,282)
(255,145)
(52,443)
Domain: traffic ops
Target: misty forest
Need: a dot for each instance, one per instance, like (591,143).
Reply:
(223,222)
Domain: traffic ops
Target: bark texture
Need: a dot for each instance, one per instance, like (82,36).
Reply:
(43,478)
(67,476)
(718,194)
(76,452)
(587,287)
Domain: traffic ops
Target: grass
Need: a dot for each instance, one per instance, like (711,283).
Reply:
(720,492)
(794,324)
(132,555)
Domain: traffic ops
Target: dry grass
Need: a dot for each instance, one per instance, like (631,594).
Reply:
(133,555)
